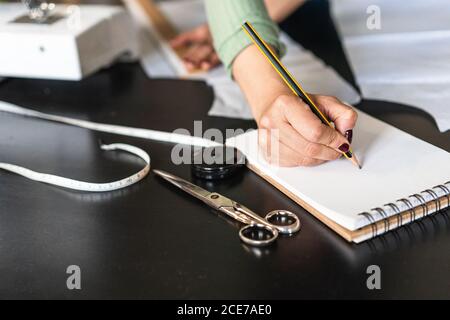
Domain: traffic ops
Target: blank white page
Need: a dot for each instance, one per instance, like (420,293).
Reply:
(395,165)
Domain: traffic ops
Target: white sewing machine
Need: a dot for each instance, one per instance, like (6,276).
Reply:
(42,40)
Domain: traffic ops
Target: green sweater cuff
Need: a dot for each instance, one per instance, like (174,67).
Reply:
(225,19)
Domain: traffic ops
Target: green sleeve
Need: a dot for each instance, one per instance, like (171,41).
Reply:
(225,18)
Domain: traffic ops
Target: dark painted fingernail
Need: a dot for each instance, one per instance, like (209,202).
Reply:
(344,147)
(349,135)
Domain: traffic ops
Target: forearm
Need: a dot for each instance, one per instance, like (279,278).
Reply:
(258,80)
(281,9)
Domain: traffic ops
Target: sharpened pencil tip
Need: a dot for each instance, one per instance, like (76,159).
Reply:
(356,162)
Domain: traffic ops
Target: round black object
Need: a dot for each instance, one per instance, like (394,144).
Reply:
(213,163)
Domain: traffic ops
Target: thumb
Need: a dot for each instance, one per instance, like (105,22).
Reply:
(343,116)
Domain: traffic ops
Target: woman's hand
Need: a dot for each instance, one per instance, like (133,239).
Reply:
(301,138)
(200,53)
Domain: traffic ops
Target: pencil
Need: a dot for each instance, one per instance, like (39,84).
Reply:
(291,82)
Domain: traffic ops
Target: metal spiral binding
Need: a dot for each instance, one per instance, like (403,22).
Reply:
(408,203)
(435,197)
(397,213)
(385,218)
(445,188)
(423,203)
(372,223)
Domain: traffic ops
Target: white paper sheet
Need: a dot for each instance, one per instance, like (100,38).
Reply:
(408,59)
(395,165)
(229,101)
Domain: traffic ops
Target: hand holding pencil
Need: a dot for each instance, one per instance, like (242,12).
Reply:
(320,137)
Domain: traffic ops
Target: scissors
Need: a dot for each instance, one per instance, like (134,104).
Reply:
(257,231)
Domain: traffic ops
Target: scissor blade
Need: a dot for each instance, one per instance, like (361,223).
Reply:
(188,187)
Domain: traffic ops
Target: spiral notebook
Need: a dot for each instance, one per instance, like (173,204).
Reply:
(403,179)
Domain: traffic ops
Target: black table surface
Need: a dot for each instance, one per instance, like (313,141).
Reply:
(153,241)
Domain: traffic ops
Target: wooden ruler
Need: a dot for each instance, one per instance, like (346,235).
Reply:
(158,19)
(166,31)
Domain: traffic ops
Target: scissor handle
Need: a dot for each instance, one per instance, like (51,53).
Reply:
(258,235)
(284,221)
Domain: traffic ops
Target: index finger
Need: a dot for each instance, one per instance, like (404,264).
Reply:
(343,116)
(304,121)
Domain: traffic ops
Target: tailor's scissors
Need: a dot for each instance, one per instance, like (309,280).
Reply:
(258,231)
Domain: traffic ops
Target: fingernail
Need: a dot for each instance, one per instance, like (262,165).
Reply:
(349,135)
(344,147)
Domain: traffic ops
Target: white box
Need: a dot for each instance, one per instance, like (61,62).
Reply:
(84,39)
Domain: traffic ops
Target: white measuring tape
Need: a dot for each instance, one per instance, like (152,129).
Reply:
(115,129)
(172,137)
(87,186)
